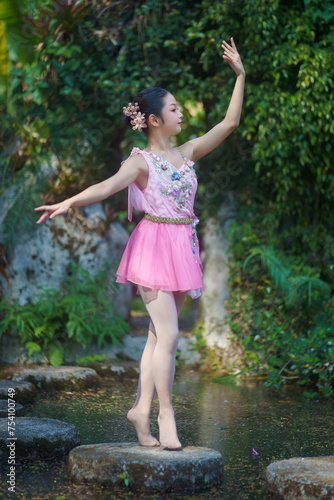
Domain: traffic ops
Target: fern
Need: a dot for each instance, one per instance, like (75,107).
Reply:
(32,347)
(271,261)
(294,289)
(56,354)
(301,286)
(81,312)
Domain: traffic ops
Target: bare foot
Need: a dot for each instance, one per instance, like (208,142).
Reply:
(167,431)
(142,425)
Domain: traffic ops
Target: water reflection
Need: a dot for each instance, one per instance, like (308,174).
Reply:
(229,418)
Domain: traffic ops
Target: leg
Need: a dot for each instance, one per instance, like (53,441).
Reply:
(164,315)
(139,415)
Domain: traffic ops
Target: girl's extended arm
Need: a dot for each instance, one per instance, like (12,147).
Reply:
(128,173)
(201,146)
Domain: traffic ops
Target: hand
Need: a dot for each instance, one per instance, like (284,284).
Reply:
(52,211)
(232,56)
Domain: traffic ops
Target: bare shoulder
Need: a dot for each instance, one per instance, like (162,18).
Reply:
(136,162)
(187,148)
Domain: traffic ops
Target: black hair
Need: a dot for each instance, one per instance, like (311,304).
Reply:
(150,102)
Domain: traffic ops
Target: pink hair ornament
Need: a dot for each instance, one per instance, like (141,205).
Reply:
(138,118)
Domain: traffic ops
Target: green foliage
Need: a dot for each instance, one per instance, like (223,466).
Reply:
(82,311)
(230,379)
(88,62)
(280,310)
(293,288)
(124,476)
(91,358)
(20,213)
(177,354)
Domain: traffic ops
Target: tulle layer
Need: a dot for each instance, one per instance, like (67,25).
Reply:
(160,256)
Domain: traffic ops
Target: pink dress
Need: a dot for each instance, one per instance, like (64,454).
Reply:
(159,255)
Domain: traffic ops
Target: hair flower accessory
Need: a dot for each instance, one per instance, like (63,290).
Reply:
(138,118)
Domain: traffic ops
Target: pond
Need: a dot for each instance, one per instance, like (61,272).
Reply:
(232,419)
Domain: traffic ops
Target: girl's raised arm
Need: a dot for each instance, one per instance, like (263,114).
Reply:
(128,173)
(201,146)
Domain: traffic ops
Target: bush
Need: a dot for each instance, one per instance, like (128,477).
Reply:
(280,310)
(82,311)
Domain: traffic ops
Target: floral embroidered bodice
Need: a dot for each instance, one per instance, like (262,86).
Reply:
(170,192)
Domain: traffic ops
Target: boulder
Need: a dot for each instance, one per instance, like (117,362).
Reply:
(24,392)
(145,469)
(10,409)
(34,437)
(301,479)
(57,377)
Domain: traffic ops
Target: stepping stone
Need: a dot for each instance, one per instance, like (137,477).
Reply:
(301,479)
(24,392)
(13,408)
(120,369)
(145,469)
(58,377)
(37,437)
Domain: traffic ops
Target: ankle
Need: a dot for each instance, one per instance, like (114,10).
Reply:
(137,410)
(166,413)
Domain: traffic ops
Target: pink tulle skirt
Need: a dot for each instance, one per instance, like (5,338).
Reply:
(160,256)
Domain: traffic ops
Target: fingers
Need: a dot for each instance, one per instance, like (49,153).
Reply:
(43,218)
(228,48)
(46,207)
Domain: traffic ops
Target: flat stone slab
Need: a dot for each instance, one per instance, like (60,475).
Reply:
(24,392)
(301,478)
(118,369)
(37,437)
(57,377)
(10,409)
(145,469)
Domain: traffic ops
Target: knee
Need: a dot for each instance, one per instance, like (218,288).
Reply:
(169,341)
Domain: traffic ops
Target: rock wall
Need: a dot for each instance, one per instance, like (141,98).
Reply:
(42,256)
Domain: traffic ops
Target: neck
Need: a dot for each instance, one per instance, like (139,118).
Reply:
(158,145)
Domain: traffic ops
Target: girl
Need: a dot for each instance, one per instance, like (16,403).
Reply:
(162,254)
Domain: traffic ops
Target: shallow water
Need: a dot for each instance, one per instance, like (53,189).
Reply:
(232,419)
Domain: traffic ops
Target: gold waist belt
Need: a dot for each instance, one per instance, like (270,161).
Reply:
(169,220)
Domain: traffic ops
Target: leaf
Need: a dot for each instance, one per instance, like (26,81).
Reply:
(32,347)
(56,354)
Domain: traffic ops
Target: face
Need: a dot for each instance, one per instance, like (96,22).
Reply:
(171,115)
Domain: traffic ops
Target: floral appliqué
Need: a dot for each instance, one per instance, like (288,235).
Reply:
(175,184)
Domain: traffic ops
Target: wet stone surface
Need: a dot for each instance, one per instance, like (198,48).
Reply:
(57,377)
(118,369)
(38,437)
(24,392)
(301,479)
(12,409)
(145,469)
